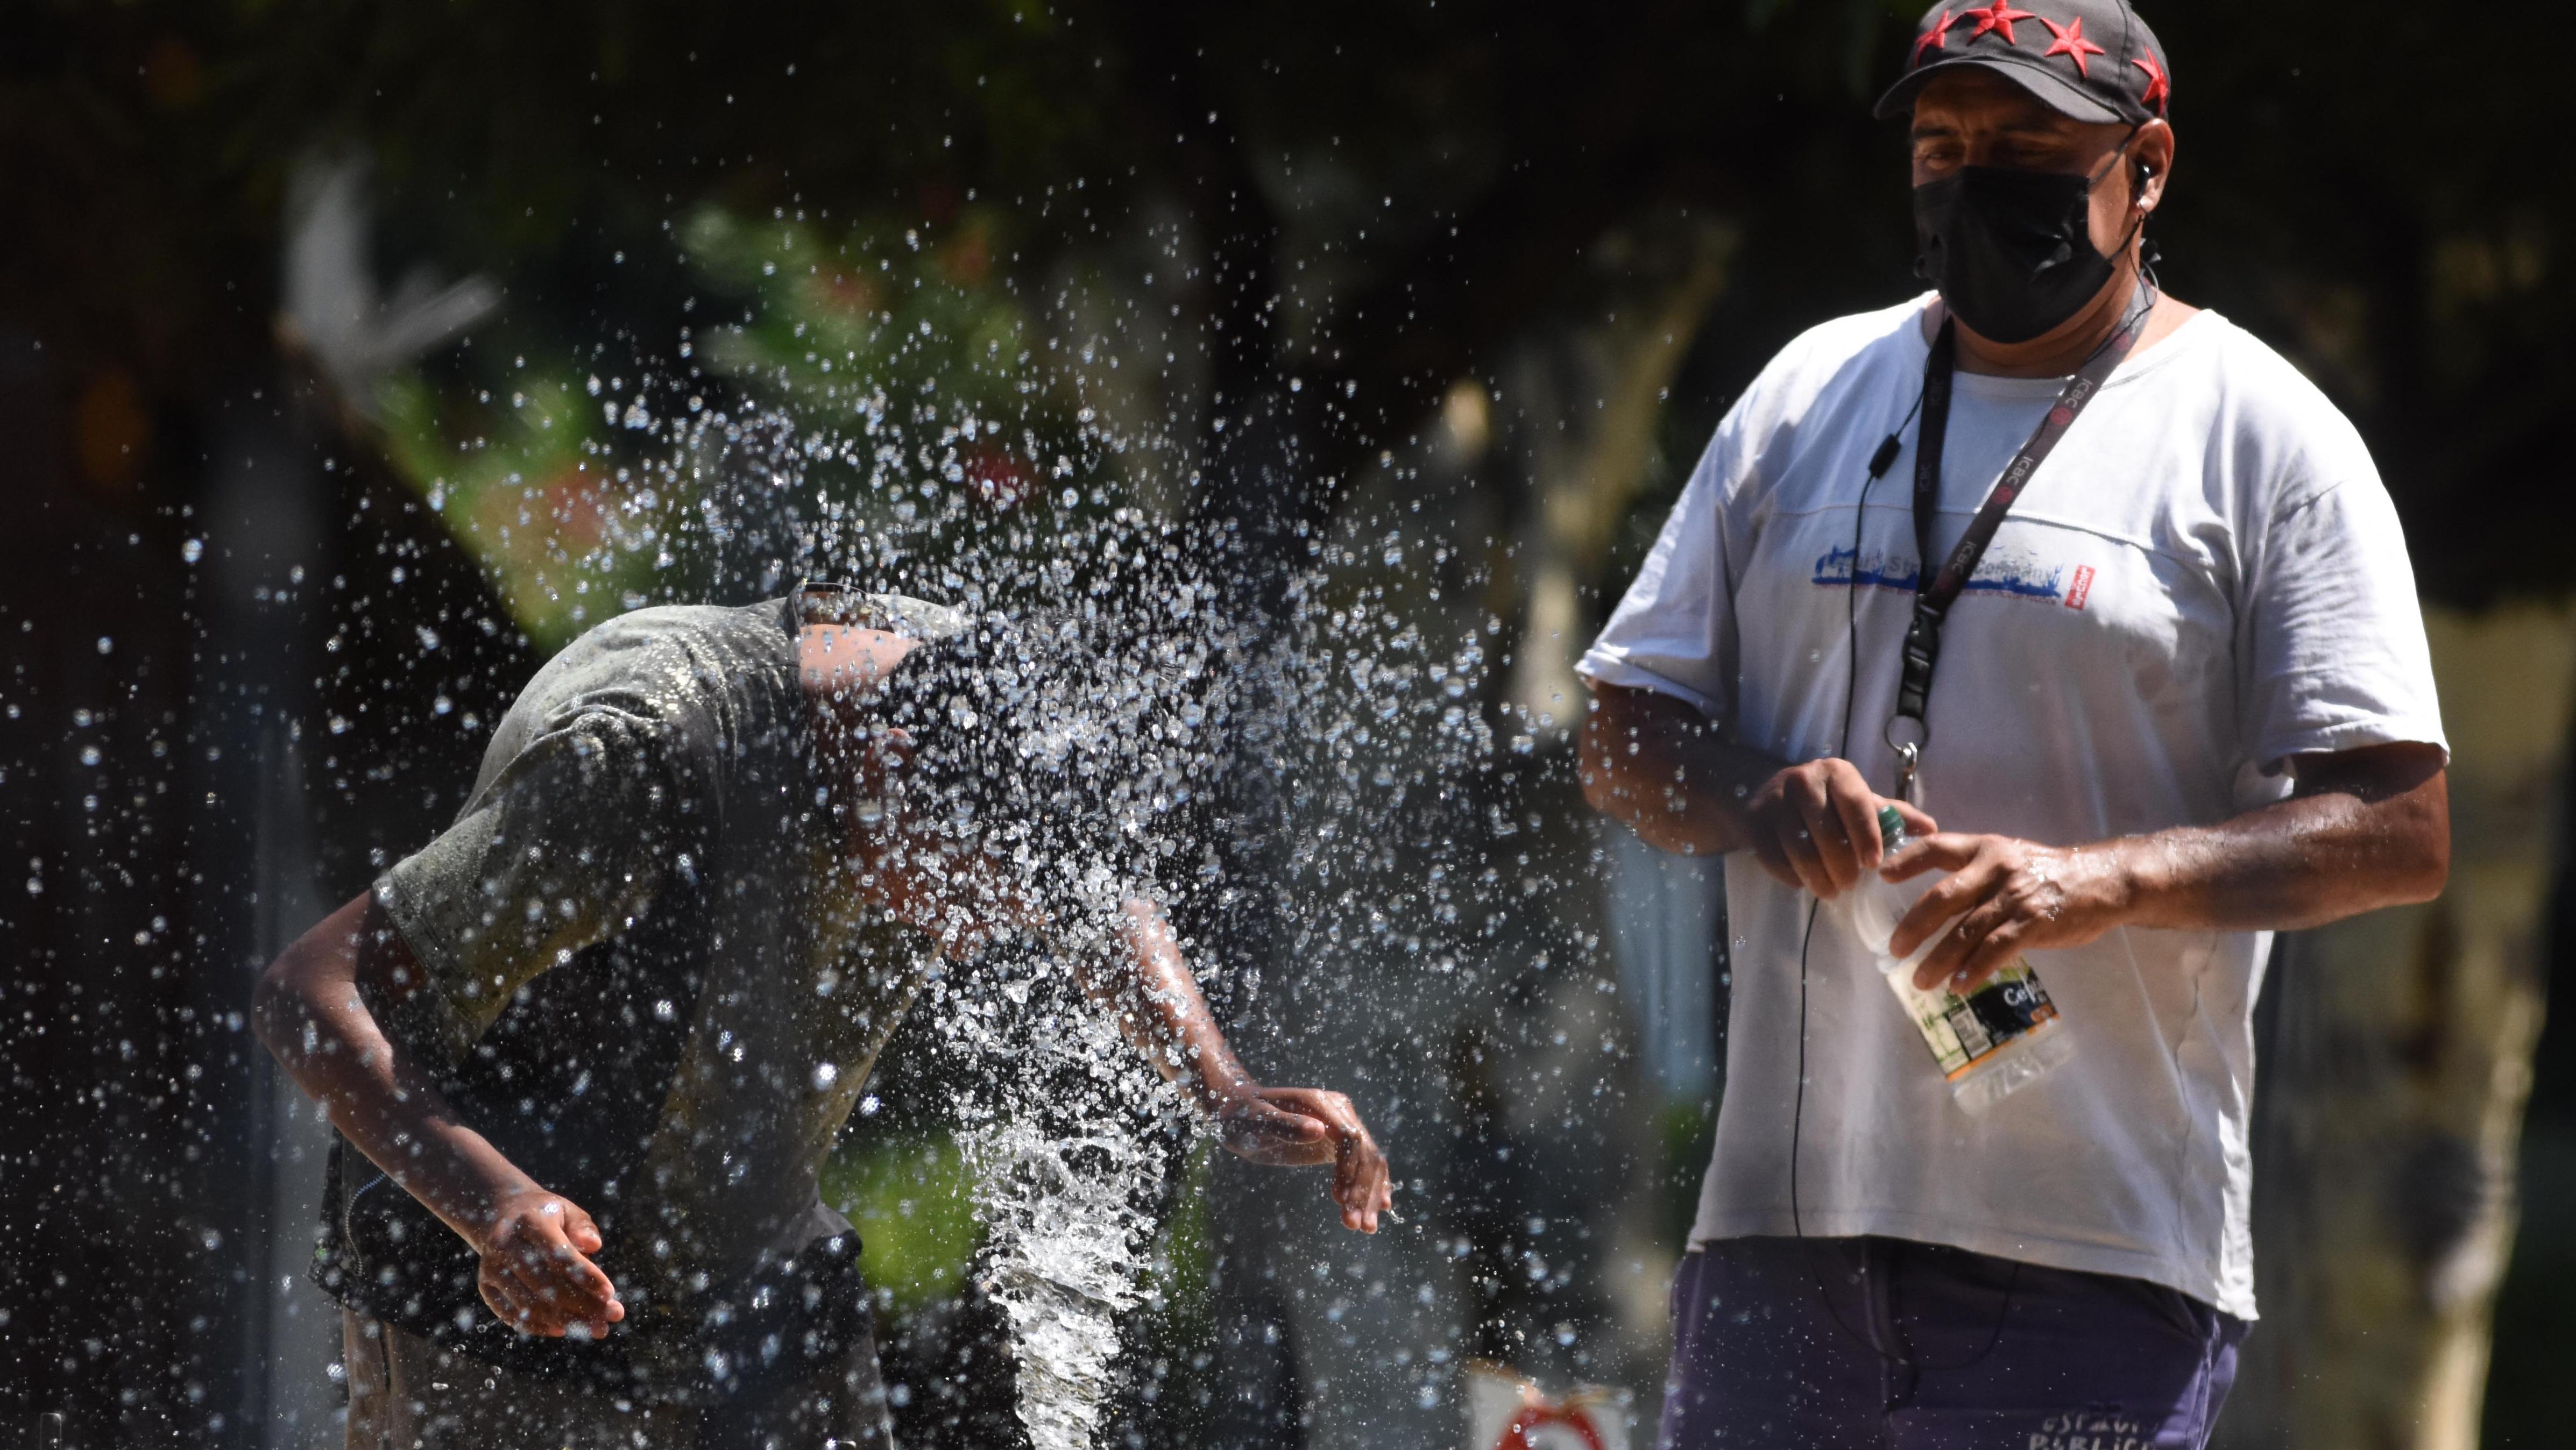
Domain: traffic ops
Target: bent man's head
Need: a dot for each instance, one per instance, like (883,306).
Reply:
(1016,762)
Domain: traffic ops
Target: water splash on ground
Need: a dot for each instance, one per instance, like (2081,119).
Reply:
(1068,1149)
(1067,1250)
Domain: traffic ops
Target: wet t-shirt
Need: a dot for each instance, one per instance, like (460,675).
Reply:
(652,982)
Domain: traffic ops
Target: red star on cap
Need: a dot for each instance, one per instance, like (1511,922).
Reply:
(1936,38)
(2159,86)
(1998,16)
(2070,41)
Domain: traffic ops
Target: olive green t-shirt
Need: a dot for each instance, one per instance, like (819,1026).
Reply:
(652,983)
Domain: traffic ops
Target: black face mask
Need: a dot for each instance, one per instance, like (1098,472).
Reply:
(2011,251)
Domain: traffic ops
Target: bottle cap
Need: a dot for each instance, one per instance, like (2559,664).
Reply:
(1891,826)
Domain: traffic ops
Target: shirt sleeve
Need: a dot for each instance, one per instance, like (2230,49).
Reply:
(565,845)
(1674,630)
(2335,647)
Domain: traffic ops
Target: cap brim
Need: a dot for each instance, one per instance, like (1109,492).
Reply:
(2046,86)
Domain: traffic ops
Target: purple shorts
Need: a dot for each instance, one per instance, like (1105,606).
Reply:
(1855,1342)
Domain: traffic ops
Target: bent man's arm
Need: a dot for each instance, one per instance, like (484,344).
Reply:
(1161,1011)
(309,1009)
(1146,983)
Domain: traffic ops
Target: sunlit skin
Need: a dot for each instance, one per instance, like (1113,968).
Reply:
(538,1270)
(2362,829)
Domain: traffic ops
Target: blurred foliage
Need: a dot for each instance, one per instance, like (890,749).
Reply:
(1184,1265)
(911,1199)
(833,319)
(1378,195)
(904,381)
(575,508)
(530,493)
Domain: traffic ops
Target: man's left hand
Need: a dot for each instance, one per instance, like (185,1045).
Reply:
(2007,896)
(1293,1126)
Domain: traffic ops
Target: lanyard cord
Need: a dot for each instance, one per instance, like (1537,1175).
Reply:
(1936,590)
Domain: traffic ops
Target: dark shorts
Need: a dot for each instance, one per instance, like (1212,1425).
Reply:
(406,1393)
(1884,1342)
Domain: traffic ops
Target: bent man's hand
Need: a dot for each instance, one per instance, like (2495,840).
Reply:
(537,1274)
(1300,1126)
(2008,896)
(1815,826)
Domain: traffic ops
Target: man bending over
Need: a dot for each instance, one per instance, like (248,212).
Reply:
(594,1042)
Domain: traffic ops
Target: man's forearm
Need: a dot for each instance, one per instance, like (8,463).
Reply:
(1666,770)
(2366,830)
(2368,827)
(309,1012)
(1669,772)
(1161,1011)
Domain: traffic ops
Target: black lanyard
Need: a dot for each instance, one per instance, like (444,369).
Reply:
(1936,590)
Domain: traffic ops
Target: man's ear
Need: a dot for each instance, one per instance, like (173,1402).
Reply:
(2151,163)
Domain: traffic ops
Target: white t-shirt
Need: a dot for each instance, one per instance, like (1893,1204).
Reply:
(2204,579)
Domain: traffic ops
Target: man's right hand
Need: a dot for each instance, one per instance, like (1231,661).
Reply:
(1815,826)
(537,1274)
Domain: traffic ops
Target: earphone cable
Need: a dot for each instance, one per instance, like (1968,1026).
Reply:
(1880,461)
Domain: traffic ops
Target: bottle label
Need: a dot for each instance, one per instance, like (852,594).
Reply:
(1965,1031)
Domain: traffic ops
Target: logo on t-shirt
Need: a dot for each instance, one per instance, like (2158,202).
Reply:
(2015,576)
(2082,586)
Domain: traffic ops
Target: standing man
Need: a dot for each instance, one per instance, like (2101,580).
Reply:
(2109,602)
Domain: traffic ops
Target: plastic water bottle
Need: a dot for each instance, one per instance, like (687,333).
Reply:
(1992,1042)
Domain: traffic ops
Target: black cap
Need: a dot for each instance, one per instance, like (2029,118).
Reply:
(2094,60)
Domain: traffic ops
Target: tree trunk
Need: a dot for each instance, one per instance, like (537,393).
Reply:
(2397,1065)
